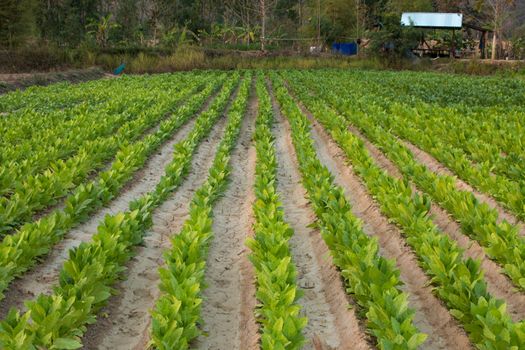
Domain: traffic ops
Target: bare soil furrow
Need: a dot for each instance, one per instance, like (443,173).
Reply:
(431,316)
(42,277)
(498,284)
(125,321)
(331,325)
(222,309)
(435,166)
(249,331)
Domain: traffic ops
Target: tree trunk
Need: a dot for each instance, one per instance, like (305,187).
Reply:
(494,43)
(318,23)
(263,24)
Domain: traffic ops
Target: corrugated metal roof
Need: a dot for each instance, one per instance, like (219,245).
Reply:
(432,20)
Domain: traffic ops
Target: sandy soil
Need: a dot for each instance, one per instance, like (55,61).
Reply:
(126,320)
(249,330)
(431,315)
(331,324)
(223,301)
(435,166)
(44,276)
(498,284)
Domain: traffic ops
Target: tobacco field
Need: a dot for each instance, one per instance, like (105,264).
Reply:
(280,209)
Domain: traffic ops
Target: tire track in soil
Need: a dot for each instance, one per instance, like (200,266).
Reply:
(43,276)
(431,315)
(439,168)
(223,309)
(498,284)
(331,325)
(126,321)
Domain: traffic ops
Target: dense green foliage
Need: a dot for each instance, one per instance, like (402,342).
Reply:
(458,280)
(133,24)
(58,320)
(68,150)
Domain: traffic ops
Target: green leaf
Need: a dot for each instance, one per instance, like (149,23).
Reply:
(416,340)
(66,344)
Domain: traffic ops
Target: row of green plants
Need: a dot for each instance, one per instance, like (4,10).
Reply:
(39,191)
(447,90)
(278,310)
(55,115)
(176,316)
(510,193)
(476,138)
(21,250)
(370,278)
(472,114)
(59,320)
(408,122)
(458,281)
(501,240)
(25,164)
(62,95)
(461,135)
(38,138)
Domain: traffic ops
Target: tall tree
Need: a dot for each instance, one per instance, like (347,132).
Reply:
(17,21)
(500,13)
(128,19)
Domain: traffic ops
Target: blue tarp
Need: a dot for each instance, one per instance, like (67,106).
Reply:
(347,49)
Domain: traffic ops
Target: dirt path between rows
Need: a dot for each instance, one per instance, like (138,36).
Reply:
(249,330)
(498,284)
(437,167)
(42,277)
(431,316)
(126,320)
(331,324)
(222,308)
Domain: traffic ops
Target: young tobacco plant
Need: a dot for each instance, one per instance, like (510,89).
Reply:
(459,282)
(177,313)
(276,275)
(59,320)
(370,278)
(18,252)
